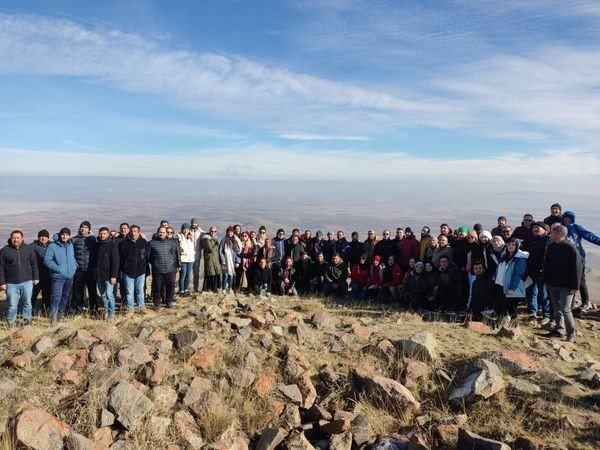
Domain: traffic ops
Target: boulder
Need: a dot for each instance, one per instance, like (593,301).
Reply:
(290,418)
(239,322)
(385,350)
(82,339)
(468,440)
(263,385)
(196,390)
(128,404)
(185,338)
(361,331)
(106,333)
(105,418)
(79,442)
(188,429)
(523,386)
(308,391)
(22,337)
(240,378)
(81,358)
(514,334)
(413,371)
(37,429)
(292,393)
(155,371)
(61,361)
(321,319)
(204,358)
(270,438)
(297,441)
(512,362)
(104,379)
(340,441)
(335,426)
(390,444)
(417,442)
(100,354)
(134,356)
(591,377)
(478,327)
(421,346)
(70,377)
(484,382)
(6,386)
(362,432)
(42,345)
(165,397)
(20,360)
(388,390)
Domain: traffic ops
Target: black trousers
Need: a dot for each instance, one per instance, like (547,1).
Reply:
(82,280)
(45,287)
(163,287)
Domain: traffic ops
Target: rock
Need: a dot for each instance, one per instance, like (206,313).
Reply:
(103,436)
(134,356)
(297,441)
(128,404)
(291,416)
(6,386)
(232,440)
(105,418)
(329,376)
(321,319)
(239,322)
(478,327)
(263,385)
(482,383)
(165,397)
(564,354)
(362,432)
(188,429)
(523,386)
(205,357)
(362,332)
(82,339)
(196,391)
(276,331)
(335,426)
(514,334)
(240,378)
(292,393)
(160,425)
(390,444)
(591,377)
(155,371)
(303,334)
(158,335)
(571,392)
(258,321)
(271,438)
(100,354)
(340,441)
(417,442)
(70,377)
(389,390)
(61,361)
(39,430)
(144,333)
(185,338)
(22,337)
(106,333)
(385,350)
(79,442)
(316,413)
(413,371)
(21,359)
(446,435)
(81,358)
(573,422)
(547,376)
(512,362)
(529,443)
(42,346)
(334,346)
(471,441)
(421,346)
(104,379)
(308,391)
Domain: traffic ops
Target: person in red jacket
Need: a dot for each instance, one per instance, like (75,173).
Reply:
(410,249)
(374,278)
(359,278)
(391,279)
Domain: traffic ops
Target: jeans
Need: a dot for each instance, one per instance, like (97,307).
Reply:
(228,281)
(107,294)
(134,286)
(61,288)
(562,299)
(18,296)
(583,290)
(185,275)
(537,298)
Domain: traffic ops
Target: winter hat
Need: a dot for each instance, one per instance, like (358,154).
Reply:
(543,225)
(65,230)
(463,229)
(408,230)
(43,233)
(486,234)
(319,233)
(420,264)
(185,226)
(194,221)
(377,258)
(85,223)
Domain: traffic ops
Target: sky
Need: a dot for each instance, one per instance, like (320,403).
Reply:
(467,93)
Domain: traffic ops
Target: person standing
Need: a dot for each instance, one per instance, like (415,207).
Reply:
(212,261)
(198,268)
(555,215)
(44,286)
(133,257)
(104,262)
(61,263)
(164,259)
(187,254)
(562,275)
(83,245)
(18,274)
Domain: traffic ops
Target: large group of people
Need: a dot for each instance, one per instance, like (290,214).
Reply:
(540,264)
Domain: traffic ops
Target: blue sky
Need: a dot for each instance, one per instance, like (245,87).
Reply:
(310,89)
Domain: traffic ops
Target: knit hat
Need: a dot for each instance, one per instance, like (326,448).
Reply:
(194,221)
(543,225)
(420,264)
(408,230)
(43,233)
(319,233)
(85,223)
(486,234)
(64,230)
(463,229)
(185,226)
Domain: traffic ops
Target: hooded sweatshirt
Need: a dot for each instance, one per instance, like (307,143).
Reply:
(578,232)
(60,259)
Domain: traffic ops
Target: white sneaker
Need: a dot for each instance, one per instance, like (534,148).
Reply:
(545,321)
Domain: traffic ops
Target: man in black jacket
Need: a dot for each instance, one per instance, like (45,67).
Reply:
(45,285)
(562,275)
(537,297)
(104,262)
(448,291)
(133,255)
(18,274)
(83,245)
(355,250)
(164,259)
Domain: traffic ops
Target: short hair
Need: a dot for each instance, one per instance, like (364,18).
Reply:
(556,205)
(124,223)
(16,232)
(564,231)
(444,257)
(262,228)
(103,228)
(528,214)
(399,229)
(134,226)
(426,227)
(444,225)
(501,218)
(479,262)
(281,230)
(295,230)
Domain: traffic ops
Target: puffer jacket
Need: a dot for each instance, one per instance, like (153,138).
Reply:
(18,265)
(83,246)
(164,255)
(60,259)
(515,272)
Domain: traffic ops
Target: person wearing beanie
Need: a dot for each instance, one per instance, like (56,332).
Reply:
(497,231)
(18,274)
(62,265)
(485,234)
(84,279)
(44,286)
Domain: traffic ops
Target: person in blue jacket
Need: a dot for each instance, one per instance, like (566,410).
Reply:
(578,232)
(60,261)
(511,274)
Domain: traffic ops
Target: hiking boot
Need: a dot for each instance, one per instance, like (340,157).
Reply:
(571,338)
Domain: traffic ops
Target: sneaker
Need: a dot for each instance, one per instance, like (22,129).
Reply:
(571,338)
(545,321)
(169,305)
(26,322)
(585,307)
(554,334)
(551,325)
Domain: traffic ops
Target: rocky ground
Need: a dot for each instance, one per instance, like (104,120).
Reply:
(236,373)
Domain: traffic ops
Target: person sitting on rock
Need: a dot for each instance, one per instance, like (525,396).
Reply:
(287,275)
(262,279)
(482,295)
(415,287)
(448,291)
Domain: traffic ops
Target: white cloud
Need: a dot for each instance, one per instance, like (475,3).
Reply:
(321,137)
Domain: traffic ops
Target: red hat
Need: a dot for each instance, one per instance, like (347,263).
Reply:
(377,258)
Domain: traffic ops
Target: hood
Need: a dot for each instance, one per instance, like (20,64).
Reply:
(522,254)
(56,239)
(569,214)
